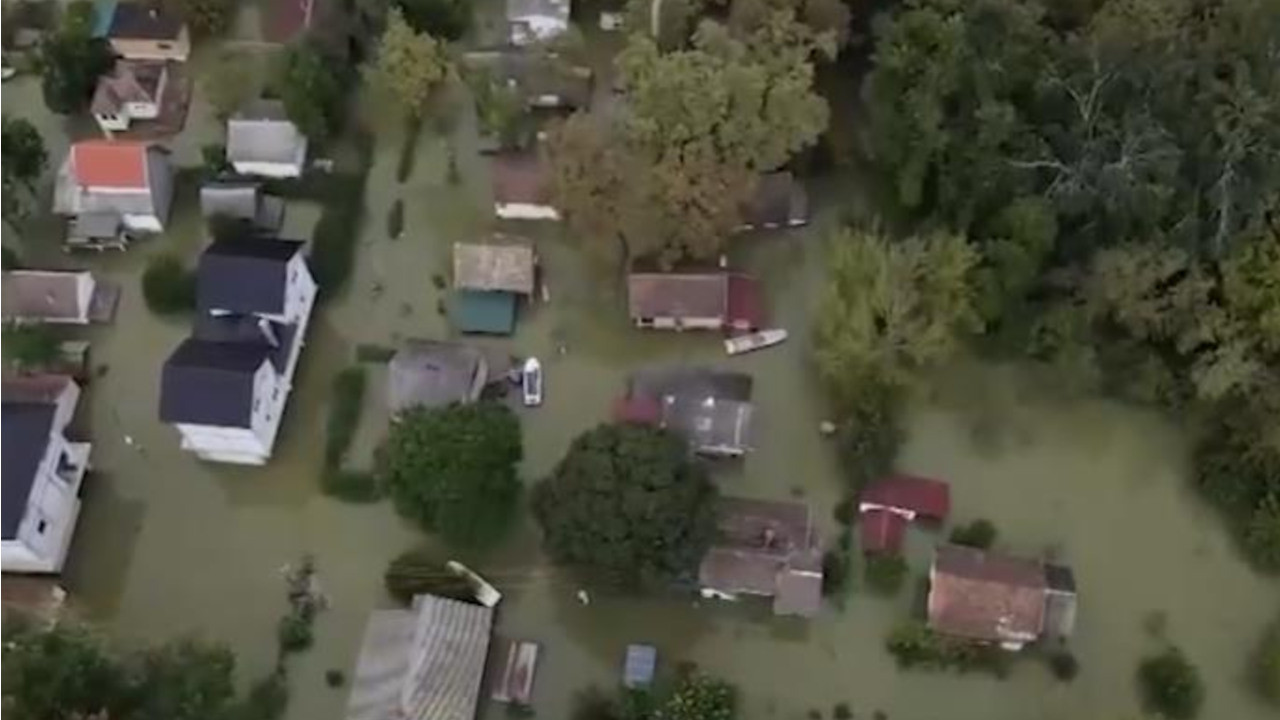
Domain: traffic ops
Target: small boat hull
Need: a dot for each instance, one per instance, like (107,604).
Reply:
(531,382)
(516,684)
(754,341)
(485,593)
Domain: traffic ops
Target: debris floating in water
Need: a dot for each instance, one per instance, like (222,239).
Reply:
(583,597)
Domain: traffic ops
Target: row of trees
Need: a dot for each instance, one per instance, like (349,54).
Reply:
(702,115)
(1105,181)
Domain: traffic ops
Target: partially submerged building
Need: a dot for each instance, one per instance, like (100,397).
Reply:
(766,548)
(242,201)
(989,597)
(426,662)
(133,90)
(261,140)
(225,388)
(428,373)
(530,21)
(43,470)
(715,300)
(142,30)
(522,186)
(887,505)
(114,186)
(489,279)
(56,296)
(712,409)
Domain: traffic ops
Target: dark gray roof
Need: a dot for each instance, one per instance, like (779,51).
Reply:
(711,408)
(250,329)
(1060,578)
(262,132)
(144,21)
(25,427)
(230,199)
(210,383)
(433,374)
(244,275)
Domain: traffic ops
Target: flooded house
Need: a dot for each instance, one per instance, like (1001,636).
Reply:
(886,506)
(133,90)
(779,201)
(262,141)
(541,81)
(989,597)
(489,280)
(109,187)
(226,386)
(694,301)
(712,409)
(43,470)
(142,30)
(57,297)
(522,186)
(531,21)
(429,373)
(243,201)
(424,662)
(765,548)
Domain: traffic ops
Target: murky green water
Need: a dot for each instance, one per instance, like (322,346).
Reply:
(167,545)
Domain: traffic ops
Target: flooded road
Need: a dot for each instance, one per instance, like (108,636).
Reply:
(167,545)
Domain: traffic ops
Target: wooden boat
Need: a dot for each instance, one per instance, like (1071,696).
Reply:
(516,683)
(754,341)
(531,382)
(485,593)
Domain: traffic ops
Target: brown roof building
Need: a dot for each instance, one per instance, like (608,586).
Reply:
(995,598)
(694,301)
(522,187)
(47,296)
(501,266)
(767,548)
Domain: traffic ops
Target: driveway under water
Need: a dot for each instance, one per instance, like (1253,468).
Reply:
(168,545)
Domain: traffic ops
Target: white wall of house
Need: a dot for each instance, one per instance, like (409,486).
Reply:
(681,323)
(44,535)
(139,222)
(117,122)
(525,211)
(290,169)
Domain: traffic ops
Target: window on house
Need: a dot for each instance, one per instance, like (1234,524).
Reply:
(256,405)
(40,527)
(165,46)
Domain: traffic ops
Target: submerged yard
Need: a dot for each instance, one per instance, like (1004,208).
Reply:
(167,545)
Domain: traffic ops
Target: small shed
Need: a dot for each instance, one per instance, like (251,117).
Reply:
(489,313)
(641,663)
(1060,601)
(429,374)
(488,279)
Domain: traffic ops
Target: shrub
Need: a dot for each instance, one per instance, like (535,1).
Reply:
(30,347)
(1064,665)
(168,287)
(980,534)
(334,240)
(836,567)
(353,486)
(842,711)
(344,414)
(1264,666)
(294,632)
(870,436)
(395,220)
(267,699)
(417,572)
(913,644)
(371,352)
(1170,685)
(846,511)
(334,678)
(885,573)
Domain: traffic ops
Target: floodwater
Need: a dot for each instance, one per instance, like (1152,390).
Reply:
(169,546)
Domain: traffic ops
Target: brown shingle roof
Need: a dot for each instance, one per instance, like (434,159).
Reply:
(129,81)
(507,267)
(43,295)
(685,295)
(766,547)
(986,596)
(522,177)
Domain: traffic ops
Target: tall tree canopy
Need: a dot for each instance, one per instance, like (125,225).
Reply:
(312,86)
(410,65)
(892,308)
(453,470)
(627,507)
(71,61)
(22,160)
(699,124)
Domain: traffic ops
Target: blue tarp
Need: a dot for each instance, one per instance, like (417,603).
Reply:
(481,311)
(104,11)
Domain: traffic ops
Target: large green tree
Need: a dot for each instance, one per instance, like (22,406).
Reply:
(312,86)
(22,161)
(453,470)
(627,507)
(1170,685)
(207,17)
(892,308)
(71,61)
(410,65)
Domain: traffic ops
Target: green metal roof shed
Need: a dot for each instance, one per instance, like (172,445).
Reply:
(484,311)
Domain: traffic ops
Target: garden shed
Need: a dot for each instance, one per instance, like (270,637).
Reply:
(488,281)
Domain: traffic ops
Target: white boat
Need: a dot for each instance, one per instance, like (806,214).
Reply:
(531,382)
(485,593)
(754,341)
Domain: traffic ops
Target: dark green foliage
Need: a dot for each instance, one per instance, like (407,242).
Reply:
(870,436)
(814,714)
(409,149)
(627,507)
(213,159)
(1239,473)
(1064,665)
(885,573)
(842,711)
(184,680)
(344,414)
(519,710)
(1170,685)
(207,17)
(30,347)
(71,60)
(313,88)
(980,534)
(294,632)
(167,286)
(353,486)
(846,511)
(267,699)
(837,571)
(453,470)
(334,239)
(9,259)
(334,678)
(1264,665)
(395,220)
(419,572)
(914,645)
(445,19)
(22,154)
(370,353)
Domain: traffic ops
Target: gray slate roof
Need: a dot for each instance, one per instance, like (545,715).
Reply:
(25,427)
(205,382)
(434,374)
(262,132)
(141,20)
(245,275)
(711,408)
(425,663)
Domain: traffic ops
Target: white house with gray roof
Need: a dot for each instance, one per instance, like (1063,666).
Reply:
(226,386)
(42,473)
(262,141)
(531,21)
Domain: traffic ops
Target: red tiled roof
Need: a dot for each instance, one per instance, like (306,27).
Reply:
(881,531)
(745,308)
(110,163)
(639,409)
(986,596)
(287,19)
(929,498)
